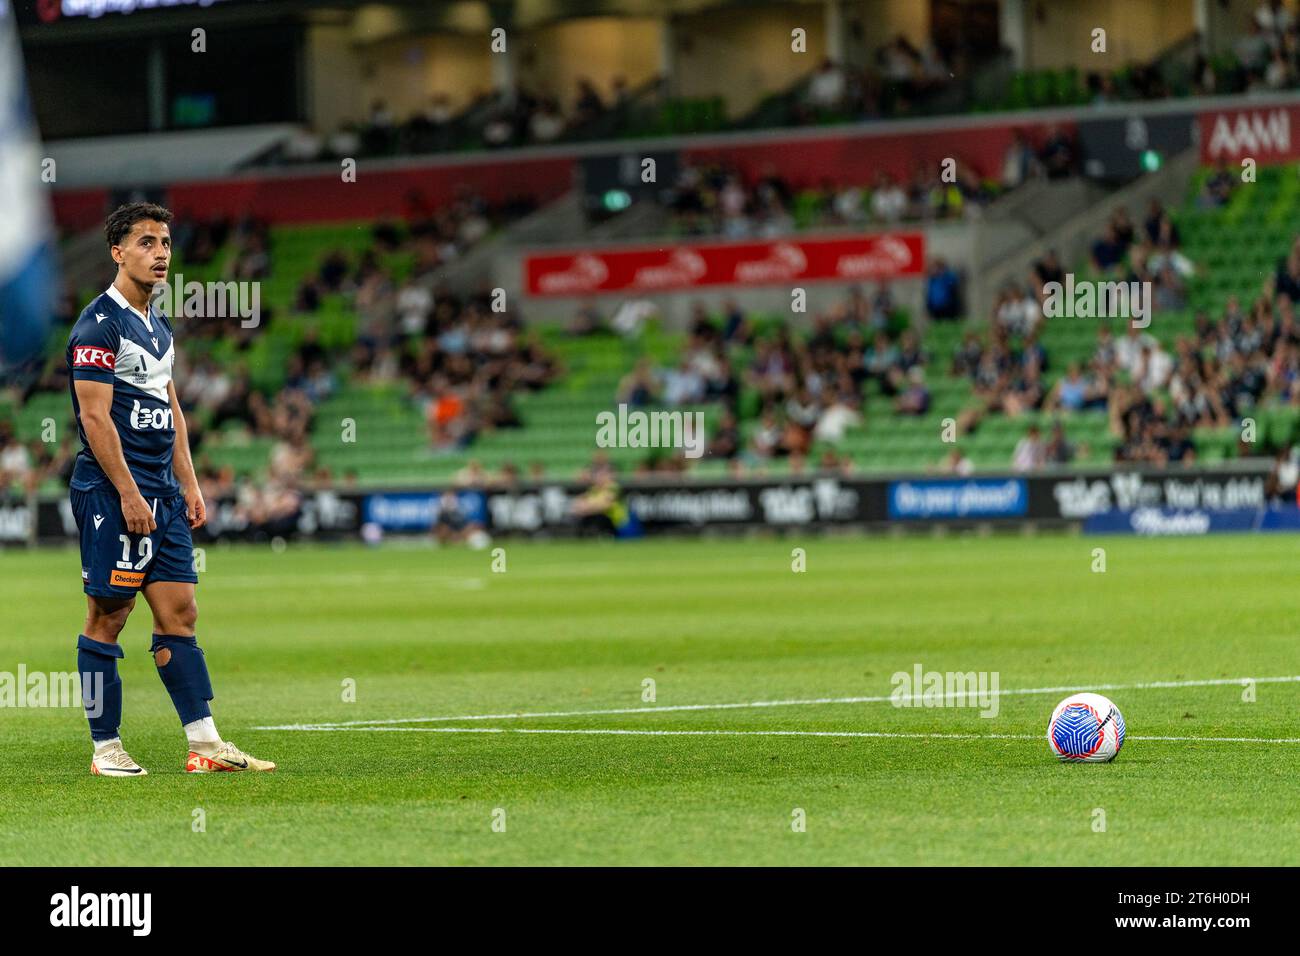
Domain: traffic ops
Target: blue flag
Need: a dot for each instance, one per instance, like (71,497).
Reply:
(27,249)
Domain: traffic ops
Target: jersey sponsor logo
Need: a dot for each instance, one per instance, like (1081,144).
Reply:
(147,419)
(99,318)
(88,356)
(139,375)
(126,579)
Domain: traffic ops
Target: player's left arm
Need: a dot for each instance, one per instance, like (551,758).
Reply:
(183,464)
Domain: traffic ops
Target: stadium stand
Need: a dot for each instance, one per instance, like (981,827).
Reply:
(1237,242)
(900,81)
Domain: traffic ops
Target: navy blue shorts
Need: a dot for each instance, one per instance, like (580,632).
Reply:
(116,563)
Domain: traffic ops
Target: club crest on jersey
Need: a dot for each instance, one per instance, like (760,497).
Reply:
(139,374)
(88,356)
(145,419)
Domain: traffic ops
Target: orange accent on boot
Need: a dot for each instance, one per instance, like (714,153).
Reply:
(197,763)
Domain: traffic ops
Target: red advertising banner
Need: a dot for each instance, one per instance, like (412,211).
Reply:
(1261,133)
(692,265)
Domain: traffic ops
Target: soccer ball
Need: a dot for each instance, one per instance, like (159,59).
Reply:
(1086,728)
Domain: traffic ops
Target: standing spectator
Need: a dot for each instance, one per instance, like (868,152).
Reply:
(1018,163)
(943,292)
(15,460)
(1057,154)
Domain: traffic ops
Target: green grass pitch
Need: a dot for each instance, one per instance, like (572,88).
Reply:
(581,626)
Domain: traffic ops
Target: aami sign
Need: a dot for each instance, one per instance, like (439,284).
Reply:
(1262,134)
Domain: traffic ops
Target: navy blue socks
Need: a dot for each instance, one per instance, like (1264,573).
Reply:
(101,688)
(185,675)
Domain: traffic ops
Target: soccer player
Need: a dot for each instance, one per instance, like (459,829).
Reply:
(136,498)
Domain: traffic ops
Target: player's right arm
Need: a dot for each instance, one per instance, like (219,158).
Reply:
(96,401)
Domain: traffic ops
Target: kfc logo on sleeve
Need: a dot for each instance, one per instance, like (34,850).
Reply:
(87,356)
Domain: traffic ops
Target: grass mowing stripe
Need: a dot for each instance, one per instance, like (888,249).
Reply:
(770,733)
(812,701)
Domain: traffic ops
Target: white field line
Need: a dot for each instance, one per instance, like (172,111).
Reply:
(773,733)
(348,578)
(800,702)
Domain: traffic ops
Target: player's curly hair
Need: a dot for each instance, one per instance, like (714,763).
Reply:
(117,225)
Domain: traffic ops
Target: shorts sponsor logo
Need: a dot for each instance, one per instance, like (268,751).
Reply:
(126,579)
(87,356)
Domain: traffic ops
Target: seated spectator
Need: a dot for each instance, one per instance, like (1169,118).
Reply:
(1058,451)
(726,441)
(827,88)
(1049,269)
(1072,392)
(682,385)
(1218,188)
(765,442)
(1287,278)
(1123,225)
(1024,392)
(1030,452)
(1108,251)
(900,62)
(955,463)
(1253,48)
(880,359)
(546,124)
(1017,313)
(837,417)
(915,398)
(888,201)
(588,104)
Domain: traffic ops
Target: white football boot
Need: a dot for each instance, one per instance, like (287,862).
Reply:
(113,761)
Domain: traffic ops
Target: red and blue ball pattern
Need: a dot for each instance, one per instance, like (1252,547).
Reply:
(1083,731)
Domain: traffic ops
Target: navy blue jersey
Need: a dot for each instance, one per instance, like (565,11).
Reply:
(113,343)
